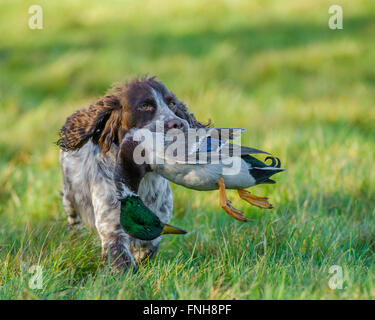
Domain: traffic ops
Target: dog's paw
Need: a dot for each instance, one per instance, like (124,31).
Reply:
(119,258)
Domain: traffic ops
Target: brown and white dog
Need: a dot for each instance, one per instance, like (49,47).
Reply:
(89,145)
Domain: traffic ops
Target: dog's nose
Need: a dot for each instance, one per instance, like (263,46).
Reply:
(175,124)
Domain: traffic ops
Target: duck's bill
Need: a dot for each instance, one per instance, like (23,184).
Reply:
(168,229)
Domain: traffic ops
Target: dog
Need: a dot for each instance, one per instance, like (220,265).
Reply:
(89,143)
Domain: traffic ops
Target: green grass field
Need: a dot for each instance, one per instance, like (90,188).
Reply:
(304,92)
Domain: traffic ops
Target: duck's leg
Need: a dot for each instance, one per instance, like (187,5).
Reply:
(260,202)
(226,204)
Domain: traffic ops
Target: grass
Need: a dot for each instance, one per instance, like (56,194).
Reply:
(305,92)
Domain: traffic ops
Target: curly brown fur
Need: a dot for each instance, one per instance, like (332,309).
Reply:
(106,120)
(100,121)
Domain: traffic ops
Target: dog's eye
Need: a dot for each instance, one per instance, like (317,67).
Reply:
(171,104)
(146,107)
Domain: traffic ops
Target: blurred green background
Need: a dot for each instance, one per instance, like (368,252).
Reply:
(304,92)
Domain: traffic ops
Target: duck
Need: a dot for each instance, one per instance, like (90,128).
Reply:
(141,223)
(218,175)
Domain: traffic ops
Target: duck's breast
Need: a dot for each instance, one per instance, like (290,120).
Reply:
(206,176)
(192,176)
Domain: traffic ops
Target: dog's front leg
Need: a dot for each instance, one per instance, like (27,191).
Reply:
(115,242)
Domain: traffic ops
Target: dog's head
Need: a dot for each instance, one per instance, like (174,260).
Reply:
(136,104)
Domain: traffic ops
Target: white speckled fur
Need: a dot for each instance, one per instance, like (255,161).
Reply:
(89,193)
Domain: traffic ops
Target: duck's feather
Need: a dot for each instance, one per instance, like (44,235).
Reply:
(261,175)
(216,143)
(260,171)
(210,144)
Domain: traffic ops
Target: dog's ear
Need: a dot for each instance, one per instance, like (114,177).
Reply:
(101,122)
(182,111)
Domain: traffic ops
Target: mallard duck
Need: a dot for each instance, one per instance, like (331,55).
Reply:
(141,223)
(211,176)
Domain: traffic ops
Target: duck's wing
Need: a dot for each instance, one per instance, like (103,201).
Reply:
(206,140)
(219,140)
(174,148)
(248,150)
(214,143)
(217,137)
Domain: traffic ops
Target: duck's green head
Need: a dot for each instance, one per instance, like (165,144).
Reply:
(141,223)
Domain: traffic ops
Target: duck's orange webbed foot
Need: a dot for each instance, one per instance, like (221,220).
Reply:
(260,202)
(226,204)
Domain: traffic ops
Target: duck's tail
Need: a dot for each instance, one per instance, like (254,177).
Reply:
(262,172)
